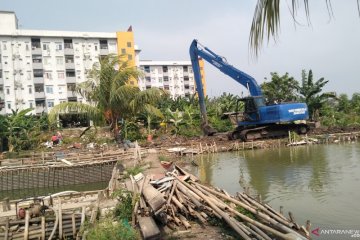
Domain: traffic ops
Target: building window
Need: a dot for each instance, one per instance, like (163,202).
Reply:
(48,75)
(147,69)
(1,88)
(38,73)
(46,46)
(28,75)
(165,69)
(160,79)
(130,57)
(50,103)
(128,44)
(68,44)
(96,48)
(49,89)
(4,46)
(185,68)
(0,73)
(123,51)
(31,104)
(9,105)
(8,91)
(166,78)
(61,75)
(166,87)
(148,79)
(59,60)
(30,89)
(27,47)
(58,46)
(36,58)
(186,78)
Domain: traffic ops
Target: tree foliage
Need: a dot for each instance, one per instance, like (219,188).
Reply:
(111,98)
(280,88)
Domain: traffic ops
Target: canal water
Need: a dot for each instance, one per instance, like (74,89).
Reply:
(317,182)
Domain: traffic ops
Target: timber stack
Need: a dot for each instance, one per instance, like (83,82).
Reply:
(177,199)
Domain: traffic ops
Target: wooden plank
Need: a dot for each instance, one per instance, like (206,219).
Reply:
(148,228)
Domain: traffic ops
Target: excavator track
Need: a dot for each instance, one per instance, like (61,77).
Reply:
(268,131)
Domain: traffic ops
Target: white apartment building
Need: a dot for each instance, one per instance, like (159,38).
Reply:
(177,77)
(39,69)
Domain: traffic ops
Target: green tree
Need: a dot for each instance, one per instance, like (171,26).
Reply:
(311,93)
(110,96)
(280,88)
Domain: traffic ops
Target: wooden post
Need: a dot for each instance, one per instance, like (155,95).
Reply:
(26,231)
(73,225)
(43,228)
(60,220)
(43,157)
(7,226)
(6,204)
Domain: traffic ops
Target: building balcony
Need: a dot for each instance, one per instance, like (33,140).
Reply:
(39,109)
(70,79)
(36,51)
(104,51)
(68,51)
(40,95)
(37,65)
(69,65)
(71,94)
(38,80)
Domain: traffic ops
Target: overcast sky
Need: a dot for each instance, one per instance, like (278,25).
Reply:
(164,30)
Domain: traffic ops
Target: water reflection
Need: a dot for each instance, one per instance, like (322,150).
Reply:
(320,182)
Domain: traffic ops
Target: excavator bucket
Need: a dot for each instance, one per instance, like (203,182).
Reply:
(208,130)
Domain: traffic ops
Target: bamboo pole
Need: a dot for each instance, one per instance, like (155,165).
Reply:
(26,231)
(224,216)
(252,210)
(43,228)
(7,226)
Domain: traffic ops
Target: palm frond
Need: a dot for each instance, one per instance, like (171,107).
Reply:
(92,112)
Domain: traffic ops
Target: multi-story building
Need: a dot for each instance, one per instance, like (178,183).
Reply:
(177,77)
(39,69)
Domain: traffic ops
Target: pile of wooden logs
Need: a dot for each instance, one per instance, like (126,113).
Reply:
(177,198)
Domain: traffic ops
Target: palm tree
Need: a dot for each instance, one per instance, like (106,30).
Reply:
(110,98)
(266,20)
(311,93)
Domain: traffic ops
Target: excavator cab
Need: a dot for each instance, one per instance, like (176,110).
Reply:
(251,105)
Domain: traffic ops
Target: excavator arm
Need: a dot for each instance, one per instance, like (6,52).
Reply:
(198,51)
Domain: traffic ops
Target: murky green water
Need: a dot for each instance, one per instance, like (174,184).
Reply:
(319,182)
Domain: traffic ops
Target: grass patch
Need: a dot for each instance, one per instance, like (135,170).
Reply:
(108,229)
(133,171)
(244,212)
(163,158)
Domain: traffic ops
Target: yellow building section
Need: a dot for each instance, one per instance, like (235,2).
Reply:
(202,73)
(126,49)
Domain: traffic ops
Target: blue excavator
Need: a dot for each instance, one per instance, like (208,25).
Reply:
(259,119)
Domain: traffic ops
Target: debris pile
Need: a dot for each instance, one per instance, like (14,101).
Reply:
(177,198)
